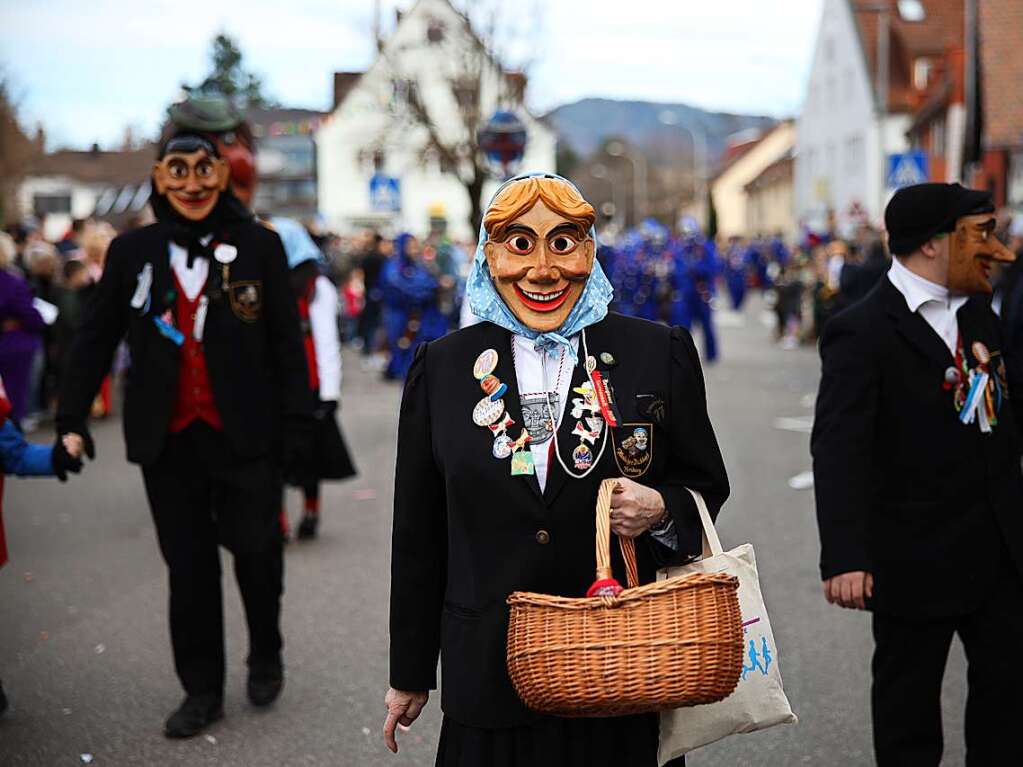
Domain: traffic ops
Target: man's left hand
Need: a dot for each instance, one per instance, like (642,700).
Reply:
(635,508)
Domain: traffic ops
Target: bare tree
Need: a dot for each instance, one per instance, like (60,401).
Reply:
(474,83)
(17,151)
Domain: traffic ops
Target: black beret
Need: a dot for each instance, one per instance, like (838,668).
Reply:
(917,213)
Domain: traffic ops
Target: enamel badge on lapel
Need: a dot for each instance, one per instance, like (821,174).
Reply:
(225,254)
(142,297)
(977,392)
(490,412)
(165,324)
(634,449)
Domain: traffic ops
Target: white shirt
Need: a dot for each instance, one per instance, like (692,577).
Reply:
(191,279)
(535,374)
(323,311)
(930,300)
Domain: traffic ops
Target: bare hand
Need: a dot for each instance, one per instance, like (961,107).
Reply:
(74,444)
(402,708)
(635,508)
(850,589)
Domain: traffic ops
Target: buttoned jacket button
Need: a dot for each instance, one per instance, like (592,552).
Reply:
(543,537)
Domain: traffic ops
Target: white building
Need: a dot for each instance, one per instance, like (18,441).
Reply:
(373,130)
(69,184)
(859,104)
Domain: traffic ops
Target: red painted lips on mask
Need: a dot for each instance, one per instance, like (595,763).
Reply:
(539,250)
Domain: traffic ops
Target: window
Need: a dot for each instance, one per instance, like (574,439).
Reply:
(435,31)
(921,73)
(51,203)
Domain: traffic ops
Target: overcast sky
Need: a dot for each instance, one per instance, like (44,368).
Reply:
(88,69)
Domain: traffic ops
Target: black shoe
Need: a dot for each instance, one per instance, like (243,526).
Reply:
(194,715)
(3,700)
(307,527)
(265,683)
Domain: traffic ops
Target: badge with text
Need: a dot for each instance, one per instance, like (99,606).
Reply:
(634,448)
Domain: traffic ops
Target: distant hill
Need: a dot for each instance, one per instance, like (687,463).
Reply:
(583,125)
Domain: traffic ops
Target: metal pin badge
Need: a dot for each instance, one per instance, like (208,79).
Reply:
(224,253)
(608,359)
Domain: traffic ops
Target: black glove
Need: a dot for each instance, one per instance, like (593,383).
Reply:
(76,426)
(62,461)
(297,452)
(325,409)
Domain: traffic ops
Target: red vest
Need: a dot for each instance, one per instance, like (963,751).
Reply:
(195,395)
(304,301)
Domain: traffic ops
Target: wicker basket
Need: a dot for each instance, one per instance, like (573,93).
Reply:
(665,645)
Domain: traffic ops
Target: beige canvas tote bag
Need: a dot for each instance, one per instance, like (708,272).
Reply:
(759,701)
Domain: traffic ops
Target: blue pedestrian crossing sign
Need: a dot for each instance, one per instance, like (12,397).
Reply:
(906,169)
(384,193)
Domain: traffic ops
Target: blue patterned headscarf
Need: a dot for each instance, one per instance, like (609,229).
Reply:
(487,304)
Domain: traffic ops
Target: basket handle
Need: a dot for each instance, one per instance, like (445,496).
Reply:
(603,543)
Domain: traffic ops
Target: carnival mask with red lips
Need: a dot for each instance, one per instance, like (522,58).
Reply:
(191,177)
(539,249)
(973,251)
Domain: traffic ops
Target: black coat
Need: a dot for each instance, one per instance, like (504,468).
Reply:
(256,361)
(904,490)
(467,533)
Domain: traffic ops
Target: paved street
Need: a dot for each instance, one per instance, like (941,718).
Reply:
(85,656)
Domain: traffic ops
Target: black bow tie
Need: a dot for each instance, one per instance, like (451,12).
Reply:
(195,250)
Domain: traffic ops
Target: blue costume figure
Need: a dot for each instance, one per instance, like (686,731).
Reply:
(637,269)
(756,264)
(411,315)
(778,252)
(735,272)
(696,268)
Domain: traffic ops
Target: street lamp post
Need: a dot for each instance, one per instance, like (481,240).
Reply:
(700,172)
(600,171)
(639,175)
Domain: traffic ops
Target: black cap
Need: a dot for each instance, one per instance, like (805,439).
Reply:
(917,213)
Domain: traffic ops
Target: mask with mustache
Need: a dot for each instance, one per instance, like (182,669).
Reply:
(973,252)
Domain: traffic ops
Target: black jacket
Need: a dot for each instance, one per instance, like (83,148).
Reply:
(467,533)
(254,355)
(904,490)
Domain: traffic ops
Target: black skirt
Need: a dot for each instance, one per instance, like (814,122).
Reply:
(623,741)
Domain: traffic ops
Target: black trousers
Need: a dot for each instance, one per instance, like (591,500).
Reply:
(909,663)
(203,496)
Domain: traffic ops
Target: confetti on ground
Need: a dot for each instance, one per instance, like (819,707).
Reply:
(44,635)
(100,649)
(368,494)
(366,731)
(66,711)
(211,740)
(86,758)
